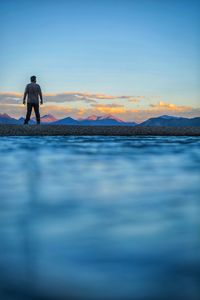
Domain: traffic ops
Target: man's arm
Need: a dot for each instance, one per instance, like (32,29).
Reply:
(40,94)
(25,94)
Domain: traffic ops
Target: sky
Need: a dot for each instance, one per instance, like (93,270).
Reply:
(134,59)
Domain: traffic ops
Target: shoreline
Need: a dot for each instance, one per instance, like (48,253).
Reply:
(77,130)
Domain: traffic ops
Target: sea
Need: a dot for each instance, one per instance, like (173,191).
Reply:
(100,218)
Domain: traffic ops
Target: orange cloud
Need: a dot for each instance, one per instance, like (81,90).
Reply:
(82,94)
(11,94)
(76,105)
(109,108)
(170,106)
(71,97)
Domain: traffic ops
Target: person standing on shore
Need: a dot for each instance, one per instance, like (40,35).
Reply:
(32,93)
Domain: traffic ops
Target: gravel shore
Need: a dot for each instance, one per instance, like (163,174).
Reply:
(51,130)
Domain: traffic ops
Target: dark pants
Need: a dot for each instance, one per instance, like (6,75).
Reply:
(29,110)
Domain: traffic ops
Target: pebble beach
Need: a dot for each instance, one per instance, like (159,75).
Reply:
(62,130)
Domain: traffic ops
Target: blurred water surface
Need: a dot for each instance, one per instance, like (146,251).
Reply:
(99,218)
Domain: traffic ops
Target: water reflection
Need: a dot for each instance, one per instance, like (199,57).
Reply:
(99,218)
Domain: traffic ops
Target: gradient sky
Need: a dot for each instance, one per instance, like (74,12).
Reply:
(147,50)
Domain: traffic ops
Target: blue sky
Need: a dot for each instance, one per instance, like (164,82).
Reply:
(146,48)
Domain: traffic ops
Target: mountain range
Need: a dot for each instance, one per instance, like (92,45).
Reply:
(106,120)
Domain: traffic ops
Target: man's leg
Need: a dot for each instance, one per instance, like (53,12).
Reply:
(28,114)
(37,112)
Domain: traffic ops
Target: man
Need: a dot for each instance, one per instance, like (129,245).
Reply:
(33,91)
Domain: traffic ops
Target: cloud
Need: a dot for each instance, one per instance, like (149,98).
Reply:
(89,98)
(86,97)
(99,96)
(112,105)
(169,106)
(134,100)
(68,97)
(76,105)
(108,109)
(10,98)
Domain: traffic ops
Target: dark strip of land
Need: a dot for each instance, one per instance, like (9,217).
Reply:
(53,130)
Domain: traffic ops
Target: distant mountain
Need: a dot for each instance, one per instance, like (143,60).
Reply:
(169,117)
(21,121)
(106,120)
(104,117)
(6,119)
(66,121)
(171,121)
(90,118)
(6,116)
(46,119)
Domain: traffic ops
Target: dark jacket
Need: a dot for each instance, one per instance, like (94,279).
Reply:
(33,91)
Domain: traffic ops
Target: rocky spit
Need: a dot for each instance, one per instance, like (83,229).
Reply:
(54,130)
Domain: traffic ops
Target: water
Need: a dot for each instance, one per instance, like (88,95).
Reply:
(99,218)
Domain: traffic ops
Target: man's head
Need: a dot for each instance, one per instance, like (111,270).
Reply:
(33,78)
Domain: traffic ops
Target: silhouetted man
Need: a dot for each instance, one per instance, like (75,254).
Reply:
(33,91)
